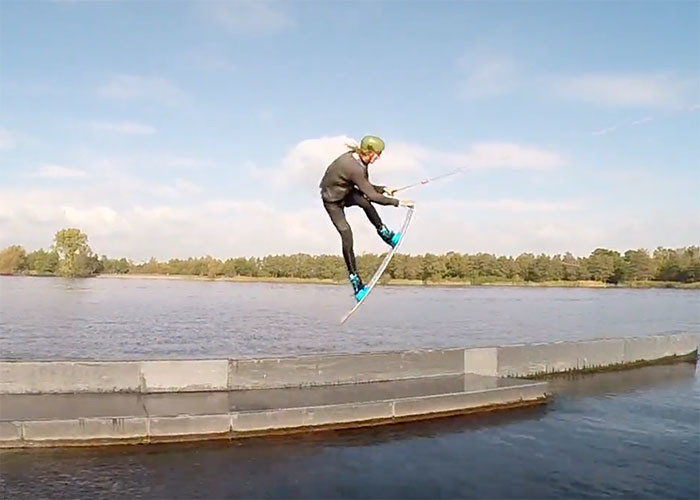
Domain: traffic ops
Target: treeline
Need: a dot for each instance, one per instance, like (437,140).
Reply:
(70,255)
(609,266)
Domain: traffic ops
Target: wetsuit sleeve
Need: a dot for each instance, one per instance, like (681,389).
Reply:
(378,189)
(370,191)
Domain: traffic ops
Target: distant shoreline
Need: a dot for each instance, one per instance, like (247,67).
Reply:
(395,282)
(404,282)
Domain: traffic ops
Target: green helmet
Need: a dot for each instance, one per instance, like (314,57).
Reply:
(372,143)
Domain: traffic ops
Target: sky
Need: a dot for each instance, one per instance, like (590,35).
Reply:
(192,128)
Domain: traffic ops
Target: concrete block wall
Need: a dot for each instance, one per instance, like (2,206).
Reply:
(526,360)
(46,377)
(520,360)
(148,427)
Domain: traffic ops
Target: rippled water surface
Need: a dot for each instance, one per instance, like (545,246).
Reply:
(632,434)
(107,318)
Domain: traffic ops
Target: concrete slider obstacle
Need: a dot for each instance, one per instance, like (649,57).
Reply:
(84,402)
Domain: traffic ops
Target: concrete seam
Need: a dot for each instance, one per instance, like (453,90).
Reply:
(142,379)
(229,373)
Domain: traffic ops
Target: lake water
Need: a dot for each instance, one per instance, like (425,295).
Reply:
(630,434)
(106,318)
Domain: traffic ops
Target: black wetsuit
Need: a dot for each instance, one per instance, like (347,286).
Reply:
(346,183)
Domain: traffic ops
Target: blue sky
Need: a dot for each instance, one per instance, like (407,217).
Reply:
(174,129)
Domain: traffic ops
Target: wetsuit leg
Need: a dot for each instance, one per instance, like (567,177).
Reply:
(336,211)
(357,198)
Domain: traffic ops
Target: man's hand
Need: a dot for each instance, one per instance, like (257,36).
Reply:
(389,191)
(407,203)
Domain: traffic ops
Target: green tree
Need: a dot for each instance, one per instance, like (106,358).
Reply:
(456,266)
(114,266)
(606,265)
(434,267)
(483,267)
(525,267)
(43,262)
(13,259)
(573,269)
(214,267)
(507,267)
(368,263)
(640,265)
(682,264)
(74,253)
(87,264)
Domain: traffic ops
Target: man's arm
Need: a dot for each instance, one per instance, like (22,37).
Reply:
(369,190)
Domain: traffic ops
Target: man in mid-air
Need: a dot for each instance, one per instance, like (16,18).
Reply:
(346,183)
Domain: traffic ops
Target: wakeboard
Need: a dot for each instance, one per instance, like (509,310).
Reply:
(382,267)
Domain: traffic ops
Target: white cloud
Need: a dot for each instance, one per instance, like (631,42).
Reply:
(401,162)
(306,162)
(628,90)
(220,227)
(179,188)
(259,17)
(126,87)
(59,172)
(119,224)
(8,139)
(125,128)
(126,215)
(100,219)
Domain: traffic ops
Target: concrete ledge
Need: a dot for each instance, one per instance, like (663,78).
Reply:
(188,425)
(68,376)
(482,361)
(263,422)
(78,430)
(175,376)
(10,432)
(558,357)
(367,405)
(183,375)
(530,360)
(343,369)
(449,403)
(658,347)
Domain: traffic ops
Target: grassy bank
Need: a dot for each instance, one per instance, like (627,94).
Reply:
(397,282)
(402,282)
